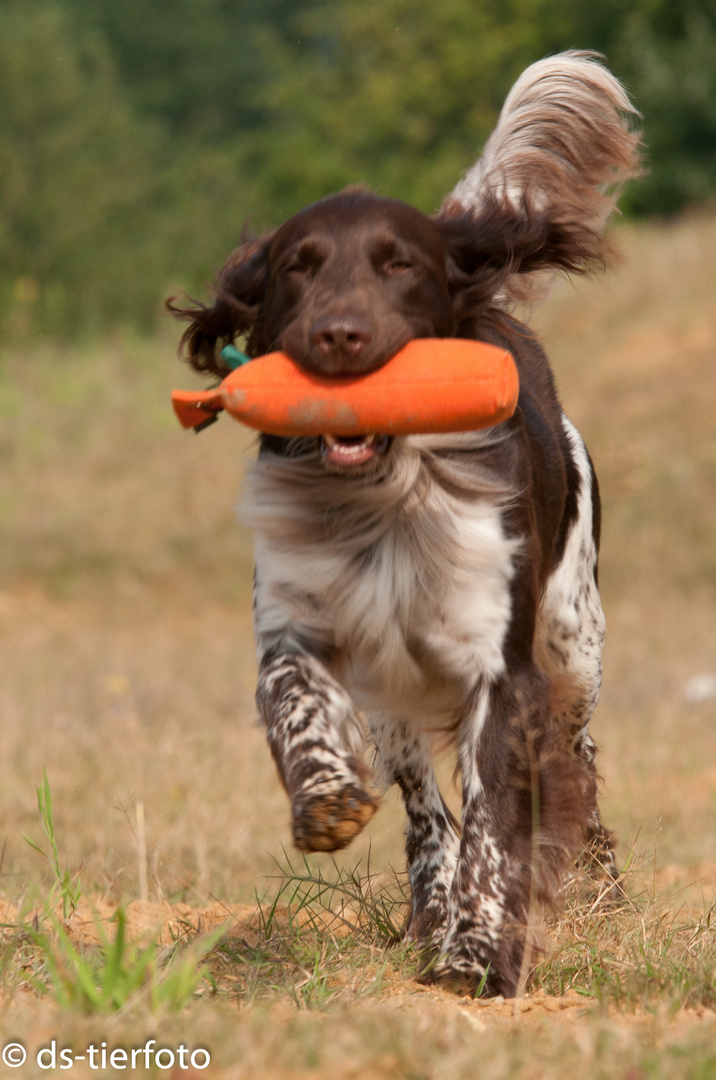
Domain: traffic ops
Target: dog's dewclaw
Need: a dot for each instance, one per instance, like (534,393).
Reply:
(431,385)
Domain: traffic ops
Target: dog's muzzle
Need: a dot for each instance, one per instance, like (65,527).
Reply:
(348,452)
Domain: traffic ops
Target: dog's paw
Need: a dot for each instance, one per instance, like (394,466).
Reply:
(462,983)
(597,880)
(329,821)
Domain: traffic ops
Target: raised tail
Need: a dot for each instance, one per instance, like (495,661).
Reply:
(564,145)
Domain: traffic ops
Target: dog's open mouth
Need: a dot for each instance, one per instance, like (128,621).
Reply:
(350,451)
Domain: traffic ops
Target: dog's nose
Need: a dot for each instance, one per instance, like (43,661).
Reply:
(341,336)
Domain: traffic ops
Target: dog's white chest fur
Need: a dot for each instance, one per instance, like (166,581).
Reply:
(409,609)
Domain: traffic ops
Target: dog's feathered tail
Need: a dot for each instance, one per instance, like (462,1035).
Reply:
(564,145)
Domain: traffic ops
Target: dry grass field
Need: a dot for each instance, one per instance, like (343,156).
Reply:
(128,670)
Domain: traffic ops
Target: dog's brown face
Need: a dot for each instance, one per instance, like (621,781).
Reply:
(352,281)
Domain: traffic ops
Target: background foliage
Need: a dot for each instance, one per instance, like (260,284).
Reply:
(136,137)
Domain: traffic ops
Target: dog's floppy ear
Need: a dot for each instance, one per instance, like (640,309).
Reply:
(238,308)
(493,253)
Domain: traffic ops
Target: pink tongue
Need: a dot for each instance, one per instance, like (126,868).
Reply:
(350,453)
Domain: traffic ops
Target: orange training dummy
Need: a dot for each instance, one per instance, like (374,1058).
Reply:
(431,385)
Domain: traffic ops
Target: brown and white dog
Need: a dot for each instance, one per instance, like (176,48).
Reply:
(438,584)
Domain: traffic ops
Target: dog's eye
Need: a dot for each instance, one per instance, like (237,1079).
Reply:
(298,270)
(396,267)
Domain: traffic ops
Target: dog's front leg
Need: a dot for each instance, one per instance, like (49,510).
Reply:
(314,736)
(524,819)
(432,836)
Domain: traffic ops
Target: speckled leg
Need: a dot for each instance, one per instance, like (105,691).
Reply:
(314,736)
(520,779)
(432,833)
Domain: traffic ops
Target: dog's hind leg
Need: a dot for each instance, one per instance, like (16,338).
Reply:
(598,858)
(570,641)
(523,821)
(432,837)
(315,738)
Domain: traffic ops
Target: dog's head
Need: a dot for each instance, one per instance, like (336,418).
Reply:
(348,281)
(351,280)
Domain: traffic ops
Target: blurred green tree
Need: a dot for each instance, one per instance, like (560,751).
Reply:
(667,53)
(195,64)
(398,94)
(135,136)
(99,211)
(73,170)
